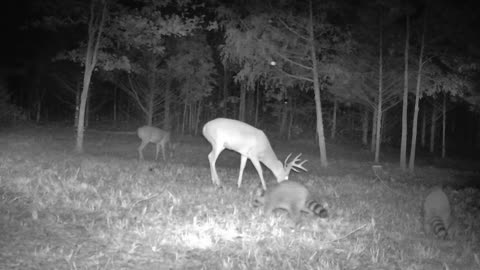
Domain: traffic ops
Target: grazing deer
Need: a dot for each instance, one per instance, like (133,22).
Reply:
(149,134)
(251,143)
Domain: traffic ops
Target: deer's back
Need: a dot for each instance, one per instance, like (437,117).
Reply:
(152,134)
(233,133)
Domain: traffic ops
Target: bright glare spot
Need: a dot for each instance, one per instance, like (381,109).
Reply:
(206,235)
(197,240)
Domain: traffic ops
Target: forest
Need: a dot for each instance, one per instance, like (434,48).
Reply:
(382,98)
(313,71)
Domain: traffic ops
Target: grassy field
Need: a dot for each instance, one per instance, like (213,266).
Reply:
(106,210)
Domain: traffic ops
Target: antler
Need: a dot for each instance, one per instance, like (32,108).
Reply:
(293,165)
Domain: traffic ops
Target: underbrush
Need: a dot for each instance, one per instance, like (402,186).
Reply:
(64,211)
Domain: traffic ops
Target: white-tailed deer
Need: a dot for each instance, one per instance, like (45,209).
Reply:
(251,143)
(149,134)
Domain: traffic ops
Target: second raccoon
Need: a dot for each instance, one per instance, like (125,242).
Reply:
(437,213)
(291,196)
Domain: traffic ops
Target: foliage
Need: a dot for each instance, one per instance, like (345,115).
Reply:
(192,67)
(141,29)
(453,83)
(272,46)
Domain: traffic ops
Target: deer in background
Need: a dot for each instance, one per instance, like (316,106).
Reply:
(251,143)
(160,137)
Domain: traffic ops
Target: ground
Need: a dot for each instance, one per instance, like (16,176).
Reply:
(106,210)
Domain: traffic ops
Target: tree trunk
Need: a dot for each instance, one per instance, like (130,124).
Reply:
(242,104)
(257,104)
(87,112)
(444,123)
(403,145)
(225,90)
(333,131)
(115,105)
(78,95)
(283,115)
(167,123)
(38,111)
(191,117)
(365,127)
(95,28)
(432,129)
(424,125)
(293,106)
(83,103)
(380,91)
(184,117)
(316,89)
(197,119)
(411,164)
(382,126)
(374,130)
(152,86)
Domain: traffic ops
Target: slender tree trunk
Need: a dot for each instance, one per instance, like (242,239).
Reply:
(365,127)
(433,129)
(87,112)
(115,105)
(424,125)
(225,90)
(293,106)
(444,123)
(380,91)
(242,104)
(38,111)
(374,130)
(167,123)
(333,131)
(149,115)
(384,122)
(197,119)
(184,118)
(95,28)
(152,88)
(257,104)
(316,89)
(78,95)
(283,117)
(191,117)
(403,145)
(411,165)
(38,104)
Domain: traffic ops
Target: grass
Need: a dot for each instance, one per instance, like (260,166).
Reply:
(106,210)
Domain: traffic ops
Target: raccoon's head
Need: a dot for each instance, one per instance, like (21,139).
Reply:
(259,197)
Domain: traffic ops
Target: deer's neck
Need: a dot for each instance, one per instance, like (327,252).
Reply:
(270,160)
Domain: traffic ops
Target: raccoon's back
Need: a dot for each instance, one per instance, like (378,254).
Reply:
(286,193)
(437,213)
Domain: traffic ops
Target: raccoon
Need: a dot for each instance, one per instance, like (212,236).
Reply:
(290,196)
(437,216)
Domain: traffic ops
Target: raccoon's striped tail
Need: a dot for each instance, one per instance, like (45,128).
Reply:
(438,227)
(317,208)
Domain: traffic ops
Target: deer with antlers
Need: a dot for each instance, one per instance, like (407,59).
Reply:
(251,143)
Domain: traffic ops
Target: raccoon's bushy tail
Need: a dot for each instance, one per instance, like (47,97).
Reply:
(317,208)
(438,227)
